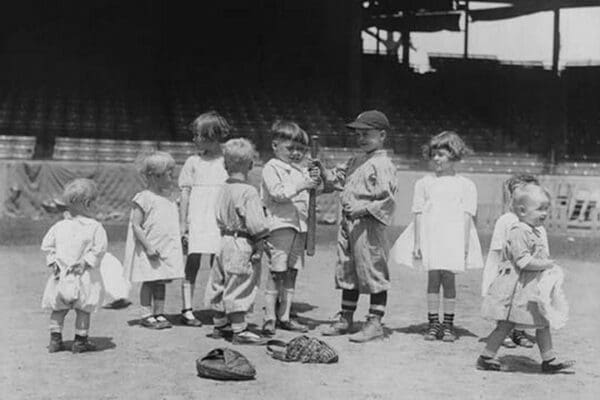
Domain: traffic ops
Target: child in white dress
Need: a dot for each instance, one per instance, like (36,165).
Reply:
(233,281)
(499,238)
(442,238)
(200,181)
(75,247)
(153,252)
(527,290)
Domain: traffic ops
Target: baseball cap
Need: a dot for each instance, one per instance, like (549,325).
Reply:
(372,119)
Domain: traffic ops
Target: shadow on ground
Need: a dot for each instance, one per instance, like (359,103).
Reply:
(102,343)
(526,365)
(419,329)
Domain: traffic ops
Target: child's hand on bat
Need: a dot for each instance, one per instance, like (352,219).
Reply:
(315,174)
(315,165)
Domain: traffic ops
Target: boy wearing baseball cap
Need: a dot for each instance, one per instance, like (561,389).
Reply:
(368,187)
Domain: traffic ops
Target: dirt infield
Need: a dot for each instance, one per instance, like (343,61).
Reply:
(136,363)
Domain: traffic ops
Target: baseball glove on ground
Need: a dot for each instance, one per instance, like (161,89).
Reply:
(303,349)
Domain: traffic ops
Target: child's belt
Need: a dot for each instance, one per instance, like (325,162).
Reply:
(234,233)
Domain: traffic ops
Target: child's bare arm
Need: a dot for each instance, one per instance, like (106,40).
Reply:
(49,246)
(467,238)
(183,209)
(136,222)
(417,241)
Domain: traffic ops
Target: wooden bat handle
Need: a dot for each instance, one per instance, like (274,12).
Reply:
(312,205)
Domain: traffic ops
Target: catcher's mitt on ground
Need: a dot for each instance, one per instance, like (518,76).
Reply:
(304,349)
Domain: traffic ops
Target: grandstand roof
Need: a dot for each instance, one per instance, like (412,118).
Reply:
(436,15)
(517,8)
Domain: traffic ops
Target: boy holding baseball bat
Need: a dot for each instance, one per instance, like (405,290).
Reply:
(284,191)
(368,188)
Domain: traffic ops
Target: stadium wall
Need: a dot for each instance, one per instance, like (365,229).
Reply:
(25,187)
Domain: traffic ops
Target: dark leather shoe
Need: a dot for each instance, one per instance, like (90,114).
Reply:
(434,332)
(292,325)
(56,343)
(551,366)
(162,322)
(81,346)
(268,328)
(223,332)
(190,322)
(488,364)
(249,338)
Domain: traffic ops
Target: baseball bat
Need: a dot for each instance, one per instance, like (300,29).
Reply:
(312,205)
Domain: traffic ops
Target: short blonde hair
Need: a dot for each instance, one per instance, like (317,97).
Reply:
(156,163)
(526,192)
(509,186)
(237,153)
(80,192)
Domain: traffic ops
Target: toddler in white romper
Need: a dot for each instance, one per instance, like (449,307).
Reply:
(75,248)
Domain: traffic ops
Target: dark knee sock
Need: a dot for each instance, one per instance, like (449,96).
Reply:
(349,300)
(378,303)
(448,319)
(158,291)
(433,318)
(192,265)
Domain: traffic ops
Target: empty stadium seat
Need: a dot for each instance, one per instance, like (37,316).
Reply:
(17,147)
(85,149)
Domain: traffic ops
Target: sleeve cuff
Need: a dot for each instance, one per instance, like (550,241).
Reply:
(378,215)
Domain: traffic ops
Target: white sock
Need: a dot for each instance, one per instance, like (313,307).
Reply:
(270,301)
(433,303)
(145,312)
(287,296)
(239,327)
(448,305)
(220,322)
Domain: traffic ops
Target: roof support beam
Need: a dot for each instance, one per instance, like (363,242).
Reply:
(556,40)
(466,44)
(405,38)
